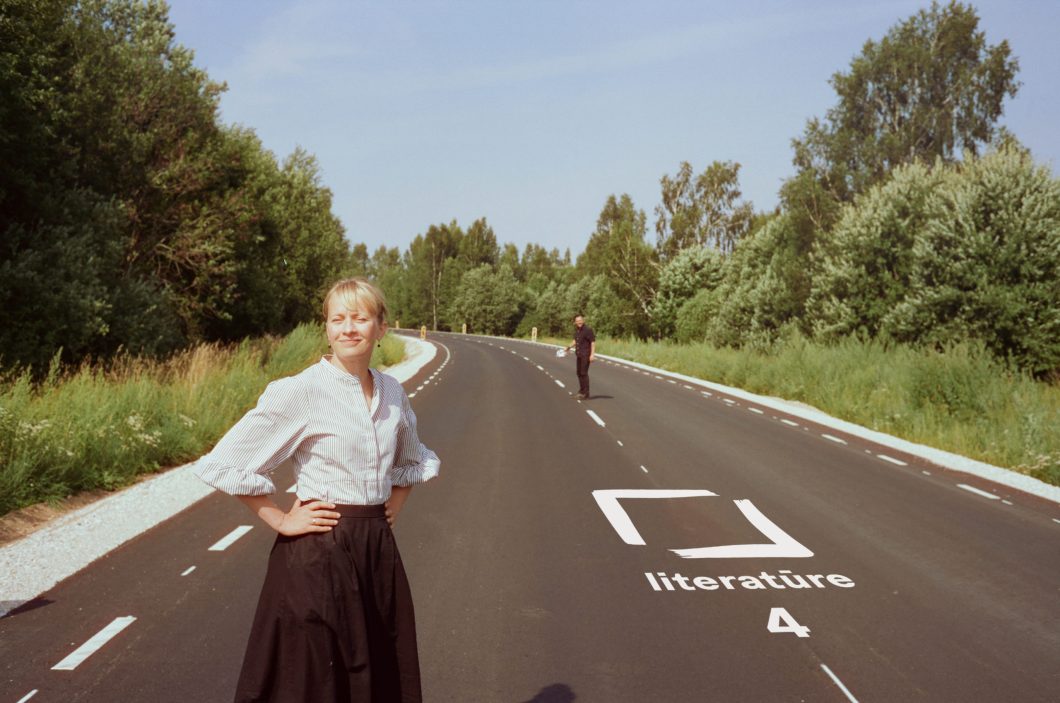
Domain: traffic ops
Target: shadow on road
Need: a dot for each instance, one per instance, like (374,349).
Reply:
(10,608)
(556,693)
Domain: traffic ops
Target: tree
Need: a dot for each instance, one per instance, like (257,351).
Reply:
(487,300)
(692,270)
(986,265)
(617,250)
(425,264)
(931,88)
(701,212)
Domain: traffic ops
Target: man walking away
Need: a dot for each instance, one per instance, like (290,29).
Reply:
(584,345)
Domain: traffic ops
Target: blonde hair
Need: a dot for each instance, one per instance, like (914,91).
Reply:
(356,293)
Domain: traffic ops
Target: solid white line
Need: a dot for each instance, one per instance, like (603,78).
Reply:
(596,417)
(978,492)
(830,438)
(643,469)
(231,537)
(789,422)
(844,689)
(559,383)
(756,410)
(94,643)
(620,442)
(26,697)
(892,460)
(188,570)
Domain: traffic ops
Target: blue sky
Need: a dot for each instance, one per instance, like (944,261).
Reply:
(531,113)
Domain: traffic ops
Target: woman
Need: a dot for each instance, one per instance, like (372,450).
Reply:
(334,621)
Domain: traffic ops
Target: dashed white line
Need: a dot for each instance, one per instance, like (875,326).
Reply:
(892,460)
(837,440)
(844,689)
(978,492)
(670,380)
(94,643)
(643,469)
(596,417)
(756,410)
(1006,502)
(685,385)
(1056,521)
(659,377)
(526,358)
(412,395)
(188,570)
(730,402)
(540,367)
(926,473)
(29,695)
(706,393)
(559,383)
(620,442)
(226,541)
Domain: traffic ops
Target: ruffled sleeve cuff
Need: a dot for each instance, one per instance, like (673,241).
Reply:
(232,480)
(420,472)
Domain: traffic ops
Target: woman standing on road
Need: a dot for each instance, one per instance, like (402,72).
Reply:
(335,620)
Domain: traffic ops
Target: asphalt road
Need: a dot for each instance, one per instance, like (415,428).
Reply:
(537,580)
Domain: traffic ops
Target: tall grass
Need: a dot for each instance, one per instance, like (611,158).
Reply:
(101,428)
(961,400)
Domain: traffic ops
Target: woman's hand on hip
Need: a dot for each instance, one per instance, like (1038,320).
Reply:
(306,518)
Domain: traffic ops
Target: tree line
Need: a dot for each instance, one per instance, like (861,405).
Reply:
(911,218)
(133,219)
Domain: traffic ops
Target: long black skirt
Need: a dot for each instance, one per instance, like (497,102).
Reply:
(334,619)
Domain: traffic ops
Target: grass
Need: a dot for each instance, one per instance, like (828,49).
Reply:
(961,400)
(95,427)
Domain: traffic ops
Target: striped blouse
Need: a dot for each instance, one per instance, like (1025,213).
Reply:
(342,451)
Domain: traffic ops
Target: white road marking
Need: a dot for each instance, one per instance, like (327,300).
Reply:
(29,695)
(540,367)
(670,380)
(926,473)
(226,541)
(419,387)
(844,689)
(559,383)
(188,570)
(781,544)
(683,385)
(1006,502)
(830,438)
(620,442)
(526,358)
(892,460)
(643,469)
(756,410)
(730,402)
(978,492)
(596,417)
(1056,521)
(659,377)
(94,643)
(707,393)
(412,395)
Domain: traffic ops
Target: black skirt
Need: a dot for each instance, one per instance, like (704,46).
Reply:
(334,619)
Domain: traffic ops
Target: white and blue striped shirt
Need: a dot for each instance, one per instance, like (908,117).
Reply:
(342,451)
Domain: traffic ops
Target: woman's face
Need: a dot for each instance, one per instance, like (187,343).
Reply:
(352,333)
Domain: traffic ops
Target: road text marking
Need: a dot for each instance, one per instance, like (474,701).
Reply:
(94,643)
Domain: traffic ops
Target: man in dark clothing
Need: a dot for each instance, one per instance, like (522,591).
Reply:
(584,345)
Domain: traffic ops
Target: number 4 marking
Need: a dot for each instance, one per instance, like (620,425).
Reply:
(781,621)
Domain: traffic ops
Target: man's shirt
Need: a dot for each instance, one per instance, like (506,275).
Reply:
(583,340)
